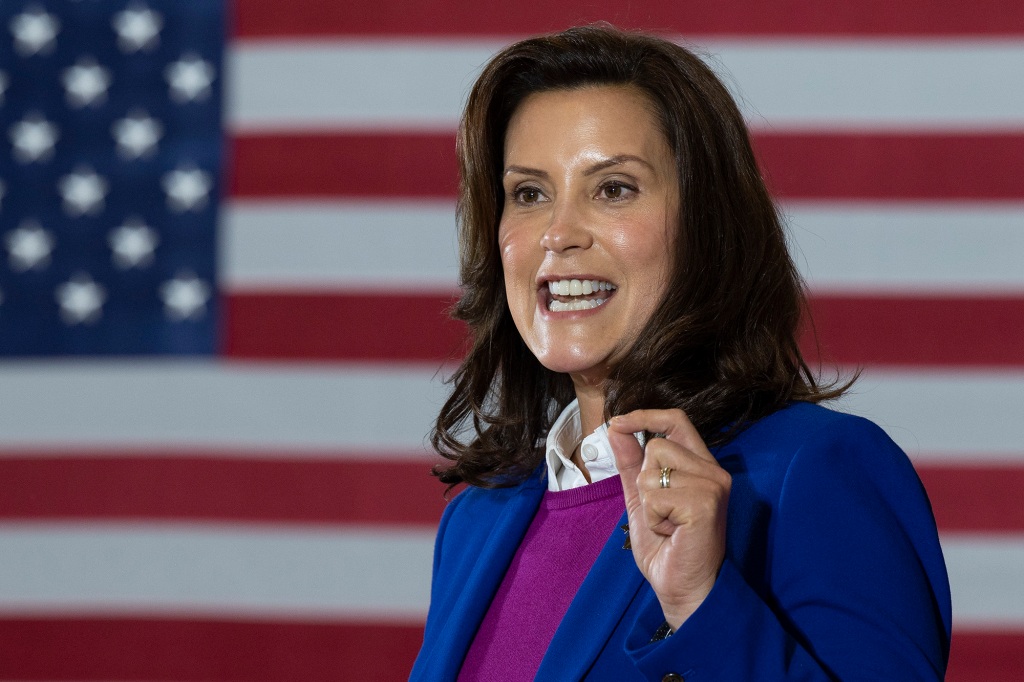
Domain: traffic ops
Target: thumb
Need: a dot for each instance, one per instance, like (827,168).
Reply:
(629,458)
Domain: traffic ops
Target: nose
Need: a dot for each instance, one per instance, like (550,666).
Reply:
(567,230)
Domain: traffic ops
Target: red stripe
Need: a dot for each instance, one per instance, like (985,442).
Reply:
(157,486)
(870,330)
(203,650)
(168,487)
(893,166)
(919,330)
(986,656)
(344,165)
(978,499)
(827,165)
(409,327)
(445,18)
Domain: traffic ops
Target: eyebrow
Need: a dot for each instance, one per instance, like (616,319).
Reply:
(523,170)
(596,168)
(615,161)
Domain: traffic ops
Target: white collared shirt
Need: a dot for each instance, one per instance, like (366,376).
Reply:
(595,450)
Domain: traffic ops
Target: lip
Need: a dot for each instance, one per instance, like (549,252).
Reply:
(542,281)
(544,296)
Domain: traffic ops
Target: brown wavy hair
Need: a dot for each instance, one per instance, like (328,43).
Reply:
(722,343)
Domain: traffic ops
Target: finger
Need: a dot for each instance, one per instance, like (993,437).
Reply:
(697,504)
(655,513)
(674,424)
(661,452)
(651,478)
(684,466)
(629,458)
(664,509)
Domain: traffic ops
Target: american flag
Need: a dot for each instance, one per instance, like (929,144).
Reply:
(227,245)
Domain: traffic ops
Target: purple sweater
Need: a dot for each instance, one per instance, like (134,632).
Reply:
(556,554)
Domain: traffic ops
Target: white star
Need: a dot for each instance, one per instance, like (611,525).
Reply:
(86,82)
(184,297)
(138,28)
(83,192)
(190,78)
(137,135)
(34,31)
(132,244)
(187,189)
(81,300)
(4,81)
(29,247)
(33,138)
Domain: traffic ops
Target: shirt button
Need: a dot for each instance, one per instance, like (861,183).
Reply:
(589,452)
(673,677)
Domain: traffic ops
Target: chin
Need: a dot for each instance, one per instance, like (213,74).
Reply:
(575,365)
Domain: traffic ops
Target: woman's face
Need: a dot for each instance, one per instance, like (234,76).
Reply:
(591,203)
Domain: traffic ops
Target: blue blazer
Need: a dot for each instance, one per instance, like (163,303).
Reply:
(833,571)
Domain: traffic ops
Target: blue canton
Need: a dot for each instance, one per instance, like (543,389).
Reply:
(111,150)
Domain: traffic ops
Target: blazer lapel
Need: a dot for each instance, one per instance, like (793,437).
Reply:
(595,611)
(475,595)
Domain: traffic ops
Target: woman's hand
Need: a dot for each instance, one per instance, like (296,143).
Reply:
(677,533)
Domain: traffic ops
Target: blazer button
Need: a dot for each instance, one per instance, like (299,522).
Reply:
(673,677)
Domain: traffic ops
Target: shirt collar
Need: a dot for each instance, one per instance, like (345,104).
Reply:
(595,450)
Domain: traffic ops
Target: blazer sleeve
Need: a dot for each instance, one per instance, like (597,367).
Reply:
(854,586)
(440,592)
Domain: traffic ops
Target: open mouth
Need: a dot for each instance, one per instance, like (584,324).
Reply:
(566,295)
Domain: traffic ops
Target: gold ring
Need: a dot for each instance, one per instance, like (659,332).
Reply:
(666,473)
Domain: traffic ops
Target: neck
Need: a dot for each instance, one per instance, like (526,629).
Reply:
(591,399)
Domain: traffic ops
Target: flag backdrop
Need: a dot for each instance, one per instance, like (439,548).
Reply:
(224,265)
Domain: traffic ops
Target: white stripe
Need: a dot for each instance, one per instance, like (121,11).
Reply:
(909,247)
(976,414)
(855,247)
(275,572)
(901,84)
(255,571)
(985,580)
(286,85)
(336,408)
(247,408)
(807,84)
(362,245)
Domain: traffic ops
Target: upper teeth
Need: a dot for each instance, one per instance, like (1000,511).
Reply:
(578,287)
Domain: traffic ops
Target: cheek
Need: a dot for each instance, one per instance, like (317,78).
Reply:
(643,246)
(646,253)
(508,263)
(518,280)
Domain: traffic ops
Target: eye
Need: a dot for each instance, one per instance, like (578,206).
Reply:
(526,196)
(615,190)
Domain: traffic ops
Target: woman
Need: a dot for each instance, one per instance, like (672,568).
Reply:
(625,272)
